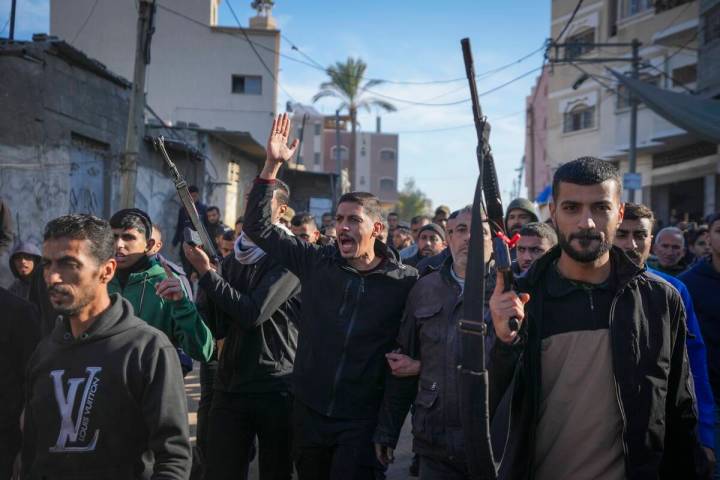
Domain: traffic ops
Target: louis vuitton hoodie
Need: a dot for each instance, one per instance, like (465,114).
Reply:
(109,404)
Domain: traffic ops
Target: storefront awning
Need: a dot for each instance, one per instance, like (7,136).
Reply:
(699,116)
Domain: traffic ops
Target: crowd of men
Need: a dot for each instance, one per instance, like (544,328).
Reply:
(316,341)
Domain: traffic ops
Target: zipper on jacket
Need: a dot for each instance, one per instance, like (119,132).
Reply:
(617,387)
(142,293)
(343,356)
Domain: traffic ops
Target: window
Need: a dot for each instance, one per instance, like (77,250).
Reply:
(662,5)
(318,129)
(684,75)
(343,153)
(316,158)
(247,84)
(577,44)
(711,20)
(623,98)
(387,155)
(633,7)
(581,117)
(387,185)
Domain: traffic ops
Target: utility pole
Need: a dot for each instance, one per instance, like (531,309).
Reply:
(136,124)
(631,180)
(632,154)
(338,166)
(11,37)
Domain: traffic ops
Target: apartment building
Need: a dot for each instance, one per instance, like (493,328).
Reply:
(588,111)
(199,74)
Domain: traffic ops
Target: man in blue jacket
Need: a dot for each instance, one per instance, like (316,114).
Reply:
(703,281)
(634,236)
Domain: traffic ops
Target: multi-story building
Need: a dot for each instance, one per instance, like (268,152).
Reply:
(538,175)
(588,112)
(199,73)
(376,168)
(708,84)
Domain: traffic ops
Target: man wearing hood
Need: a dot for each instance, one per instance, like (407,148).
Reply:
(703,281)
(520,212)
(156,294)
(105,393)
(254,306)
(24,259)
(353,296)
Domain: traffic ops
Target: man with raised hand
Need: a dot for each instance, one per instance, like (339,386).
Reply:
(353,296)
(602,390)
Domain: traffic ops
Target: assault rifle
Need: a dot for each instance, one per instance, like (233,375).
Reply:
(191,236)
(474,394)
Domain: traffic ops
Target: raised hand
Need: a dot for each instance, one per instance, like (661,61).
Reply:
(278,151)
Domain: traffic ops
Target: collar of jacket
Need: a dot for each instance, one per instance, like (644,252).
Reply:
(392,267)
(625,270)
(155,270)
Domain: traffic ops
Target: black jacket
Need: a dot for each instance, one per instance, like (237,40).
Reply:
(108,404)
(19,334)
(255,308)
(650,367)
(349,321)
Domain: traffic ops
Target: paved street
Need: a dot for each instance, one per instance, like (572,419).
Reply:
(397,471)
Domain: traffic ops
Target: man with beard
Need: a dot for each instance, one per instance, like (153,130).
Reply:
(431,241)
(703,282)
(602,390)
(303,226)
(634,237)
(255,307)
(519,212)
(429,332)
(402,238)
(353,297)
(156,294)
(669,250)
(105,396)
(535,240)
(215,225)
(392,219)
(416,223)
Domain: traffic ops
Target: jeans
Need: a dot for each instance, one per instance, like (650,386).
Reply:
(235,419)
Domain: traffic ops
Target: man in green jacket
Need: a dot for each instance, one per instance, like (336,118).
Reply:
(156,294)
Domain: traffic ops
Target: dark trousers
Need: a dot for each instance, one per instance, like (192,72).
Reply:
(333,449)
(207,378)
(235,419)
(435,468)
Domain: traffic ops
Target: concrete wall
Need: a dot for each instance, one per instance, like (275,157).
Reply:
(537,172)
(61,133)
(189,77)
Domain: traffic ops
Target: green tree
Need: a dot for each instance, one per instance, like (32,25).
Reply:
(412,201)
(346,84)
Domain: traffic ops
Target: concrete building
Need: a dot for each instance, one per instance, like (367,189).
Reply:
(537,171)
(708,84)
(199,73)
(591,115)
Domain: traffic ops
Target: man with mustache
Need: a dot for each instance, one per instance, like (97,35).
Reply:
(429,332)
(430,241)
(520,212)
(535,240)
(353,295)
(105,395)
(602,390)
(634,237)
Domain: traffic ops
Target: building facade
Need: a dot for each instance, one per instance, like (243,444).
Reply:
(199,73)
(709,52)
(588,112)
(538,175)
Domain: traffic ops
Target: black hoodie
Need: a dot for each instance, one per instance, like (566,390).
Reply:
(109,404)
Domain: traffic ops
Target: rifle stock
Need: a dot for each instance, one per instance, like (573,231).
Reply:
(182,189)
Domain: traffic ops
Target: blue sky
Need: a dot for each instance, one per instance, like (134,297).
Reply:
(416,40)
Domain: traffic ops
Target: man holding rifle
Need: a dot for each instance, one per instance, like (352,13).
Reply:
(602,390)
(353,298)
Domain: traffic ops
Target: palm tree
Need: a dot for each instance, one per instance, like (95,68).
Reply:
(346,84)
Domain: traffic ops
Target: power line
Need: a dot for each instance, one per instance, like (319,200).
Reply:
(257,54)
(457,102)
(85,22)
(669,77)
(572,17)
(464,125)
